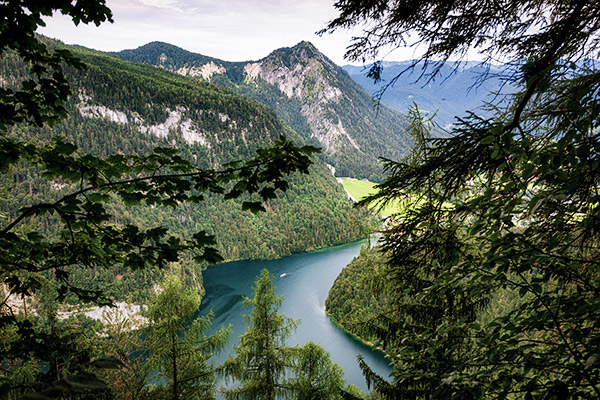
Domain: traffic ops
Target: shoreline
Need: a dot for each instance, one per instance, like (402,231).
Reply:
(359,338)
(311,250)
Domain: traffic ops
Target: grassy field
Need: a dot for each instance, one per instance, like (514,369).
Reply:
(359,189)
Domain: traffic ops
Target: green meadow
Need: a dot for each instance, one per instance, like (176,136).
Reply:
(360,189)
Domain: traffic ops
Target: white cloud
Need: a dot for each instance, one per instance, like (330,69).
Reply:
(161,3)
(232,30)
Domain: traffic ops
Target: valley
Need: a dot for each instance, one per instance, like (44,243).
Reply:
(119,108)
(176,226)
(210,126)
(358,189)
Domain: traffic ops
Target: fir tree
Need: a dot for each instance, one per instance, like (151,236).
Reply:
(179,346)
(262,357)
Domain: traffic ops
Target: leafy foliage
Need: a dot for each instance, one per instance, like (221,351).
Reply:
(161,178)
(125,340)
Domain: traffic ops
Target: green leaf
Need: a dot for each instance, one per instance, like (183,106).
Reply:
(98,198)
(254,206)
(488,139)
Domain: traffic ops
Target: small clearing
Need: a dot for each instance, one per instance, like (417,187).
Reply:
(359,189)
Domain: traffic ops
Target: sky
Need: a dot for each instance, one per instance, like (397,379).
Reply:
(231,30)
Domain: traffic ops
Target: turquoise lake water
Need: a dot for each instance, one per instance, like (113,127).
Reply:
(304,288)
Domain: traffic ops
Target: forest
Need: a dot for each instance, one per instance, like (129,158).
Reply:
(377,130)
(484,285)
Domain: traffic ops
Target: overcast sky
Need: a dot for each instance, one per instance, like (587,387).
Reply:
(232,30)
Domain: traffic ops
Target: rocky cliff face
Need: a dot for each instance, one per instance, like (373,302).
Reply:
(307,76)
(310,93)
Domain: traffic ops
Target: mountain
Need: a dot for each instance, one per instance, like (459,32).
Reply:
(309,92)
(457,89)
(122,107)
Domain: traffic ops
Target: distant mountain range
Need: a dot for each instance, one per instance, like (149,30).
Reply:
(307,91)
(457,89)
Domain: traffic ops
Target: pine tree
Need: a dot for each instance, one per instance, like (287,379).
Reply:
(125,341)
(261,358)
(179,346)
(315,376)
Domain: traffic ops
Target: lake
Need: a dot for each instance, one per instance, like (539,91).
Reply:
(304,288)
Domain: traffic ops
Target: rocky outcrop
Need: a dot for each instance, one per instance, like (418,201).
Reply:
(307,78)
(175,122)
(205,71)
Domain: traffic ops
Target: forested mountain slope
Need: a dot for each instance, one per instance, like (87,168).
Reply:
(353,303)
(121,107)
(309,92)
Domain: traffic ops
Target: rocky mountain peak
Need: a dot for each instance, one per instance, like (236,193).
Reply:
(317,98)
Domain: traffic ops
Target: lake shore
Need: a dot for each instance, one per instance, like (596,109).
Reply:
(358,337)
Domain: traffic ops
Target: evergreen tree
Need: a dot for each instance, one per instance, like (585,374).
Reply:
(261,358)
(126,342)
(507,208)
(315,376)
(179,347)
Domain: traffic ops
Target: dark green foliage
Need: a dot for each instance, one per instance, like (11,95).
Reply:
(126,342)
(262,357)
(265,368)
(87,239)
(162,178)
(507,209)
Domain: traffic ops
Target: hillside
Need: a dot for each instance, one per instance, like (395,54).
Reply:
(455,91)
(122,107)
(353,303)
(309,92)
